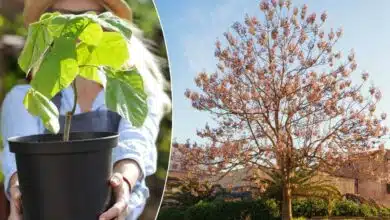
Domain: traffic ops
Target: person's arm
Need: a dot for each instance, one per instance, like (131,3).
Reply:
(134,158)
(14,121)
(136,154)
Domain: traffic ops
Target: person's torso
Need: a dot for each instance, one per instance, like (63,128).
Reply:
(97,120)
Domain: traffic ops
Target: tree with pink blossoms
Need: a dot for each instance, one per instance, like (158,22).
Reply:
(283,100)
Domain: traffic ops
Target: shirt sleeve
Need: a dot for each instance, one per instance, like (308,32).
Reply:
(139,144)
(14,121)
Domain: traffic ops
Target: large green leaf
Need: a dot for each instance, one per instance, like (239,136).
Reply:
(92,34)
(112,50)
(125,95)
(58,69)
(37,42)
(38,105)
(122,25)
(88,63)
(90,57)
(70,26)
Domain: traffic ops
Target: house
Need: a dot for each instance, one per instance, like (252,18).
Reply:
(347,180)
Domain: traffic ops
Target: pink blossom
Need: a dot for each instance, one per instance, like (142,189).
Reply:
(324,15)
(264,6)
(365,76)
(295,11)
(311,19)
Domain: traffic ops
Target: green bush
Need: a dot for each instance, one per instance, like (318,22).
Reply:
(384,212)
(309,207)
(171,213)
(346,208)
(225,210)
(269,209)
(368,211)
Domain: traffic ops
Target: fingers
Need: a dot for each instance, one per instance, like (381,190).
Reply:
(116,180)
(120,209)
(16,198)
(117,210)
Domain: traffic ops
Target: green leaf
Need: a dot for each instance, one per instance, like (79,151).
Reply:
(112,50)
(122,25)
(88,63)
(70,26)
(48,16)
(92,34)
(38,105)
(125,95)
(38,41)
(58,69)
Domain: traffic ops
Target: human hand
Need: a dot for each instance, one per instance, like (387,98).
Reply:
(120,209)
(15,200)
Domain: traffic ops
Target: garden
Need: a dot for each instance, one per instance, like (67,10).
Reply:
(270,209)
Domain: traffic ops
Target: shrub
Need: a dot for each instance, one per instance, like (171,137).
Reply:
(368,211)
(310,207)
(171,213)
(225,210)
(346,208)
(384,212)
(270,209)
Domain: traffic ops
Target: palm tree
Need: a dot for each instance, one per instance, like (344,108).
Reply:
(305,184)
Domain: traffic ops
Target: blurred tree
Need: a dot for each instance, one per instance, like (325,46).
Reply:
(190,191)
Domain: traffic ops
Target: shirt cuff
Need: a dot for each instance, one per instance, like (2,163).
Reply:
(134,157)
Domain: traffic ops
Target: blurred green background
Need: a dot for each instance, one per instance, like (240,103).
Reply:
(12,33)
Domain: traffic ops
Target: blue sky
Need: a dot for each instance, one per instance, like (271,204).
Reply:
(191,28)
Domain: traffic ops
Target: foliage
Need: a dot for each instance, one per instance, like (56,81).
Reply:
(55,57)
(368,211)
(224,210)
(190,191)
(310,207)
(302,209)
(346,208)
(283,100)
(385,212)
(303,184)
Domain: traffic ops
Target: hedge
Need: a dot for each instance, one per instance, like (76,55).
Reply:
(269,209)
(309,207)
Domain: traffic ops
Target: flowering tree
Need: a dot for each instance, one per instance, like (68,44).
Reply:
(283,100)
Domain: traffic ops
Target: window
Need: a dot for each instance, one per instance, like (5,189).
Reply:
(388,188)
(356,186)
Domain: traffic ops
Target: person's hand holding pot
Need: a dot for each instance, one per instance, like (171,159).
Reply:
(126,173)
(15,199)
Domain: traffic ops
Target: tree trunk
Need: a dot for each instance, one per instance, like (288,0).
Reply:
(287,202)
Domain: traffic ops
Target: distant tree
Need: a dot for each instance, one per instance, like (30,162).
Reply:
(283,100)
(189,191)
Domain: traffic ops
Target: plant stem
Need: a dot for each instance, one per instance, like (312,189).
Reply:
(68,118)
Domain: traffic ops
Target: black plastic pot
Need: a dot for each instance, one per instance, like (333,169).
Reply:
(64,180)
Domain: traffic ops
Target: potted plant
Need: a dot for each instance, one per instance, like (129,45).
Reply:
(64,176)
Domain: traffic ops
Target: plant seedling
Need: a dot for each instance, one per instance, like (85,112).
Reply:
(60,47)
